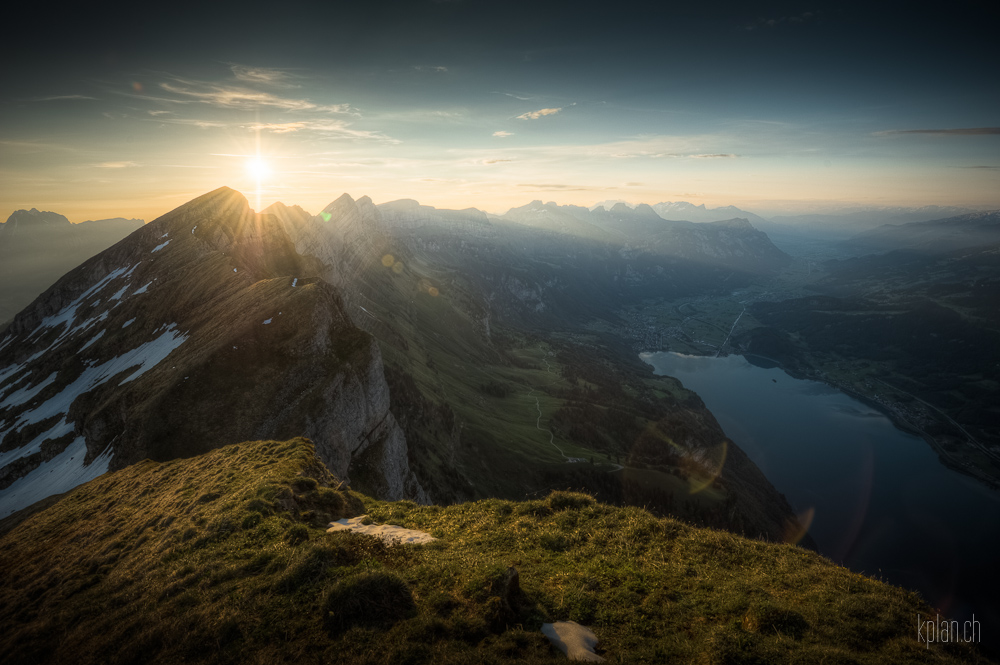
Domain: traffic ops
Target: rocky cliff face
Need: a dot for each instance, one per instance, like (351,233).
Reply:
(203,328)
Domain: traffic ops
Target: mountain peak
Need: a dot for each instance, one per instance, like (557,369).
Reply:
(35,217)
(342,202)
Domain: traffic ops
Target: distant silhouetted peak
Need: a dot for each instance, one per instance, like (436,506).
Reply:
(400,204)
(35,217)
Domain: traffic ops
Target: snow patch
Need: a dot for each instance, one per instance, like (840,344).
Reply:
(61,428)
(390,534)
(234,269)
(267,322)
(160,246)
(142,290)
(294,282)
(10,372)
(68,313)
(573,640)
(192,230)
(128,323)
(119,293)
(165,235)
(22,395)
(60,474)
(92,340)
(145,356)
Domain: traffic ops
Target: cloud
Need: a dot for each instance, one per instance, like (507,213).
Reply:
(229,96)
(156,113)
(435,70)
(54,98)
(496,161)
(503,135)
(969,131)
(336,128)
(263,75)
(200,124)
(719,155)
(116,165)
(535,115)
(563,188)
(29,147)
(982,166)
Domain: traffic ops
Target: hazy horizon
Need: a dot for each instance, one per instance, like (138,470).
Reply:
(774,107)
(810,208)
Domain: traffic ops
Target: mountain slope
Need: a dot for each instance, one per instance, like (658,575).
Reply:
(203,328)
(224,558)
(502,389)
(36,248)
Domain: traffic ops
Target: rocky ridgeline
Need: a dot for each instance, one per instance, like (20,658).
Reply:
(203,328)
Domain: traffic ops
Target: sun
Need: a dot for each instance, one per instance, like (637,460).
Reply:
(258,168)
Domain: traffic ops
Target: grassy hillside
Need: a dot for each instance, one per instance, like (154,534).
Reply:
(224,558)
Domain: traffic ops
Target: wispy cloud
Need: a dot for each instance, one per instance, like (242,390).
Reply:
(718,155)
(264,76)
(116,165)
(967,131)
(503,135)
(194,122)
(33,146)
(561,187)
(157,113)
(982,166)
(229,96)
(496,161)
(55,98)
(336,128)
(535,115)
(432,69)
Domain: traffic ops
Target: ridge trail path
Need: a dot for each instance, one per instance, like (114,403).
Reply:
(552,442)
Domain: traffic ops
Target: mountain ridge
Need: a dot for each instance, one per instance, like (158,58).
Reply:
(221,293)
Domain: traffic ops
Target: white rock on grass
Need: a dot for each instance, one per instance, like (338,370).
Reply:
(387,532)
(573,640)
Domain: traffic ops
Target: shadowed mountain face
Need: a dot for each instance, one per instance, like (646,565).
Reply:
(201,329)
(499,383)
(36,248)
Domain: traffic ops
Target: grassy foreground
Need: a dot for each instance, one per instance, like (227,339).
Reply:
(223,558)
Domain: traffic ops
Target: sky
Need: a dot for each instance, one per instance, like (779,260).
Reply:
(774,107)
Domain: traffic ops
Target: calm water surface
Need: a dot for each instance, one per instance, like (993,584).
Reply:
(884,505)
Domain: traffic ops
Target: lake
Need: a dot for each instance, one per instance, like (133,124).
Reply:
(884,505)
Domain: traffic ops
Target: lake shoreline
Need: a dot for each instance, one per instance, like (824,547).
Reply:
(939,447)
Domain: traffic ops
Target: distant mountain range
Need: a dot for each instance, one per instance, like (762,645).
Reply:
(429,354)
(37,247)
(936,236)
